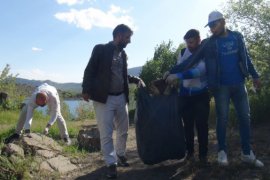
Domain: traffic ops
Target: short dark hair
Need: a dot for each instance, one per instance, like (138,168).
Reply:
(121,29)
(192,33)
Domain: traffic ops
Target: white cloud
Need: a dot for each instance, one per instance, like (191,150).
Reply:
(36,49)
(88,18)
(71,2)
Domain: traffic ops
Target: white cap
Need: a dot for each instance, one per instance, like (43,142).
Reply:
(213,16)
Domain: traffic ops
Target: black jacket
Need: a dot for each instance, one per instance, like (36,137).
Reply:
(97,74)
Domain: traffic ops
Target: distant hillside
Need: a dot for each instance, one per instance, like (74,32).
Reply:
(135,71)
(73,87)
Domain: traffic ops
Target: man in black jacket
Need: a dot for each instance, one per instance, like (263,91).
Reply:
(105,82)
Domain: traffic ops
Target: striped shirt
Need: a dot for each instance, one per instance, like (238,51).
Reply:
(194,80)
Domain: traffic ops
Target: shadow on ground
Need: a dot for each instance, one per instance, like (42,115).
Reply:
(176,169)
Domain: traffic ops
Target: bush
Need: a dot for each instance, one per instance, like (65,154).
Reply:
(13,169)
(85,111)
(259,106)
(65,111)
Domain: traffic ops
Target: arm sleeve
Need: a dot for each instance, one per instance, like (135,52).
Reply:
(250,67)
(55,109)
(190,61)
(91,71)
(133,79)
(181,67)
(53,117)
(195,72)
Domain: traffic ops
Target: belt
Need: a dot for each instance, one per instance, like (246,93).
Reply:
(115,93)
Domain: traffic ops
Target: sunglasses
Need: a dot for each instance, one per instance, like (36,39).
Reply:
(213,24)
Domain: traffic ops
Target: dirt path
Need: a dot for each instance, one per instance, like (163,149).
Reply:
(181,170)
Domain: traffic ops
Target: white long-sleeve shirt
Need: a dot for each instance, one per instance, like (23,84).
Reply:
(53,104)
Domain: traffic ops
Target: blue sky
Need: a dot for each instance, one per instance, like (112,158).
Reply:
(53,39)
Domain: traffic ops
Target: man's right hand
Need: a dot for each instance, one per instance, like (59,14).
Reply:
(46,131)
(86,97)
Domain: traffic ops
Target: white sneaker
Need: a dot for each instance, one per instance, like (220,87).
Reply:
(222,158)
(251,159)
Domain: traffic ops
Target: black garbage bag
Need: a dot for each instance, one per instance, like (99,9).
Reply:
(159,131)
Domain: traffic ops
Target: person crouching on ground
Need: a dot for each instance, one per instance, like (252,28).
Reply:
(42,96)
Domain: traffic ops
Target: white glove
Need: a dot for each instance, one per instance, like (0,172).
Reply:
(46,131)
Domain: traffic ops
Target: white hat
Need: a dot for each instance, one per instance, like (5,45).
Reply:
(213,16)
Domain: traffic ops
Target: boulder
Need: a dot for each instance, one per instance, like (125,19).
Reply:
(35,143)
(48,154)
(12,149)
(89,139)
(61,164)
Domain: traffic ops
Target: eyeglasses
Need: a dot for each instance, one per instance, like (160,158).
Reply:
(213,24)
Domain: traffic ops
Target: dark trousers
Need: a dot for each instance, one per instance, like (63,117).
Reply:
(194,110)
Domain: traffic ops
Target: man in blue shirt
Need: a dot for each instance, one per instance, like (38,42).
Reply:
(227,65)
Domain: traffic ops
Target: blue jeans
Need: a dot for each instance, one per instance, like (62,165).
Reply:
(238,95)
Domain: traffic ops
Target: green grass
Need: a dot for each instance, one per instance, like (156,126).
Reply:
(8,122)
(21,168)
(6,117)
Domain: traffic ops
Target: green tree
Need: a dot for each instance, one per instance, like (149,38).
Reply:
(165,57)
(85,111)
(8,85)
(251,17)
(7,80)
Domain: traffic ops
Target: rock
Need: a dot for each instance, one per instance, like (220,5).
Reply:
(89,139)
(12,149)
(45,151)
(45,166)
(61,164)
(34,142)
(46,154)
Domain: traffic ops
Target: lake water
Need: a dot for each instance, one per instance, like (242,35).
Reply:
(72,104)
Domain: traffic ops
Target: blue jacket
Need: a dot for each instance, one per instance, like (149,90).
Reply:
(208,50)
